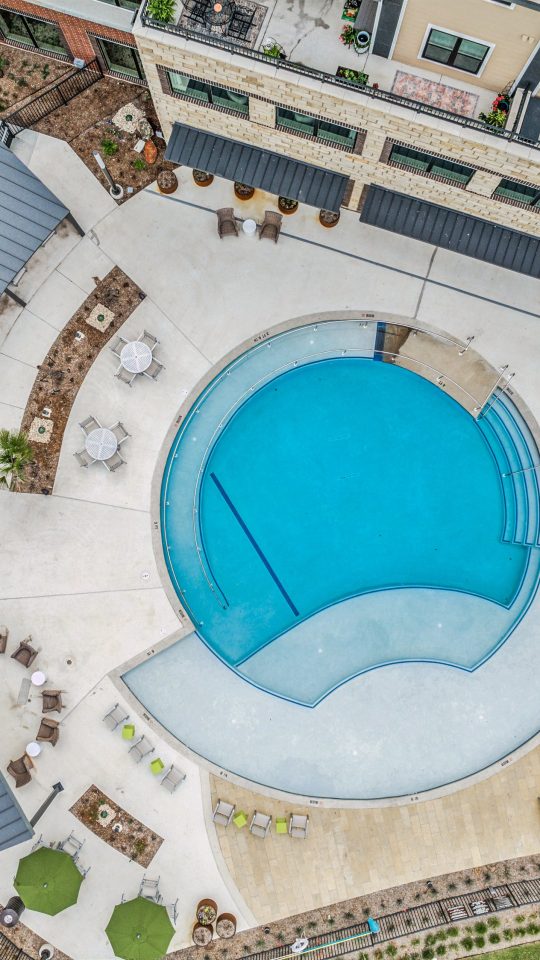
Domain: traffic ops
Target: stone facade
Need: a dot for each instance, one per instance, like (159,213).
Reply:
(268,87)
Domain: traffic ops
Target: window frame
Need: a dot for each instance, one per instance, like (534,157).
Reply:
(315,137)
(244,114)
(455,50)
(435,159)
(534,205)
(66,55)
(98,40)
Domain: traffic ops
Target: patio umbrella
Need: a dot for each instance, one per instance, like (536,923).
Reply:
(48,881)
(140,930)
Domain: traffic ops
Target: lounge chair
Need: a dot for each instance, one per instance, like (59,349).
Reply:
(298,825)
(154,370)
(120,432)
(84,458)
(226,223)
(172,778)
(141,749)
(48,731)
(148,339)
(112,463)
(260,824)
(223,813)
(149,889)
(20,771)
(89,424)
(117,344)
(125,376)
(71,845)
(4,634)
(25,653)
(52,701)
(271,225)
(115,717)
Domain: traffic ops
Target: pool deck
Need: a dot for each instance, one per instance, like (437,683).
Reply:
(78,571)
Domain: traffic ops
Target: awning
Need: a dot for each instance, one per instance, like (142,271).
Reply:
(256,167)
(29,213)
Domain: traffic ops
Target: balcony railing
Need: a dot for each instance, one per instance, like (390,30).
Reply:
(288,66)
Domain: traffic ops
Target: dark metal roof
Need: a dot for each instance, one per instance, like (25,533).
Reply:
(14,827)
(258,168)
(452,230)
(530,127)
(29,212)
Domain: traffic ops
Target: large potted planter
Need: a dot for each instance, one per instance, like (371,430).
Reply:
(328,218)
(167,181)
(202,934)
(287,206)
(226,926)
(362,41)
(243,191)
(206,911)
(202,178)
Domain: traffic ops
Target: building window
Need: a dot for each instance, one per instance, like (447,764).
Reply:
(454,51)
(208,93)
(428,164)
(121,59)
(314,127)
(32,33)
(518,193)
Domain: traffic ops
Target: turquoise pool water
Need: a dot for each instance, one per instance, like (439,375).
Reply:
(298,497)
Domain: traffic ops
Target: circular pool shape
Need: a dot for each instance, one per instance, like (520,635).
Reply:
(326,514)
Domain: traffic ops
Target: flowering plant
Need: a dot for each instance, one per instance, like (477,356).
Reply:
(348,35)
(500,102)
(495,118)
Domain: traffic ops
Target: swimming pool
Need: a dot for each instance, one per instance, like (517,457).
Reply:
(325,514)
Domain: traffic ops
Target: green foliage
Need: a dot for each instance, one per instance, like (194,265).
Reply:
(441,950)
(109,147)
(479,942)
(453,932)
(428,953)
(391,950)
(480,927)
(493,922)
(162,10)
(280,937)
(467,943)
(495,118)
(45,71)
(494,938)
(508,934)
(273,50)
(21,82)
(15,454)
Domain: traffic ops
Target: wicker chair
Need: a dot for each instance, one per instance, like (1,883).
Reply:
(226,223)
(271,225)
(4,634)
(25,653)
(52,701)
(20,771)
(48,731)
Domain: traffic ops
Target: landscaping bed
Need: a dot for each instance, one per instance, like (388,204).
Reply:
(104,817)
(63,370)
(24,73)
(97,102)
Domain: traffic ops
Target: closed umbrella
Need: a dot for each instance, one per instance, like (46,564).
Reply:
(140,930)
(48,881)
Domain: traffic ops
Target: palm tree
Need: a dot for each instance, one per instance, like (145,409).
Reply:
(15,454)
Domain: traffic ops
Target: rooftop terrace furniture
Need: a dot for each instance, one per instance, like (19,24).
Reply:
(125,376)
(119,431)
(128,731)
(298,825)
(157,766)
(84,458)
(4,634)
(172,778)
(271,225)
(115,717)
(89,424)
(260,824)
(20,771)
(149,339)
(226,223)
(240,819)
(281,825)
(71,845)
(172,910)
(38,843)
(25,653)
(117,344)
(149,889)
(223,813)
(112,463)
(154,370)
(52,701)
(24,690)
(48,731)
(141,748)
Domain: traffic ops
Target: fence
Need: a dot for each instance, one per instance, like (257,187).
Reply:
(52,99)
(8,950)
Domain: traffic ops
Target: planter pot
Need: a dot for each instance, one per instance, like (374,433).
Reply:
(327,218)
(202,934)
(150,152)
(226,926)
(202,178)
(285,208)
(362,41)
(206,912)
(243,192)
(167,181)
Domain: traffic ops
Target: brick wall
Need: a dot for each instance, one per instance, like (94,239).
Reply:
(74,30)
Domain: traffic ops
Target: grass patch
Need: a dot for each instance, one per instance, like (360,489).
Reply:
(530,951)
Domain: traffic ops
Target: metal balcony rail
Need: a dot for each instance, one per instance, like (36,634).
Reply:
(378,94)
(52,99)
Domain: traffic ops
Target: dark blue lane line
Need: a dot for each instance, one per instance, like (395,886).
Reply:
(255,545)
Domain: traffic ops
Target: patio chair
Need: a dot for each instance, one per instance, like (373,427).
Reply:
(149,889)
(119,431)
(89,424)
(226,223)
(125,376)
(298,825)
(260,824)
(115,717)
(71,845)
(154,370)
(38,843)
(172,910)
(25,653)
(20,771)
(52,701)
(149,339)
(141,748)
(83,457)
(82,870)
(223,813)
(172,778)
(117,344)
(4,634)
(271,225)
(112,463)
(48,731)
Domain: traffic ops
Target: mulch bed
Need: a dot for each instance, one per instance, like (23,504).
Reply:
(27,940)
(135,841)
(64,369)
(24,73)
(101,100)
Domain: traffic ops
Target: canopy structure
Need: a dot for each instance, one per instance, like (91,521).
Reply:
(140,930)
(256,167)
(29,213)
(48,881)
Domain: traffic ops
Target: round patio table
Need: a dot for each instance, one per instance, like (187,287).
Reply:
(101,444)
(33,749)
(249,226)
(136,356)
(38,678)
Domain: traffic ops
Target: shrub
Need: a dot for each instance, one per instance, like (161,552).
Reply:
(430,940)
(259,943)
(493,922)
(428,953)
(453,932)
(298,931)
(532,929)
(508,934)
(139,164)
(391,949)
(479,942)
(467,943)
(348,915)
(480,927)
(109,147)
(441,950)
(494,938)
(162,10)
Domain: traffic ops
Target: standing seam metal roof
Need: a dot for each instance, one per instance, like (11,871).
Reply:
(14,827)
(29,213)
(257,167)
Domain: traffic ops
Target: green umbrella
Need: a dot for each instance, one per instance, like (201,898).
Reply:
(140,930)
(48,881)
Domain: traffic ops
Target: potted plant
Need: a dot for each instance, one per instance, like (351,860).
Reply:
(362,41)
(162,10)
(350,9)
(150,152)
(353,76)
(202,178)
(273,49)
(328,218)
(206,911)
(202,934)
(15,454)
(495,118)
(167,181)
(287,206)
(348,36)
(243,191)
(226,926)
